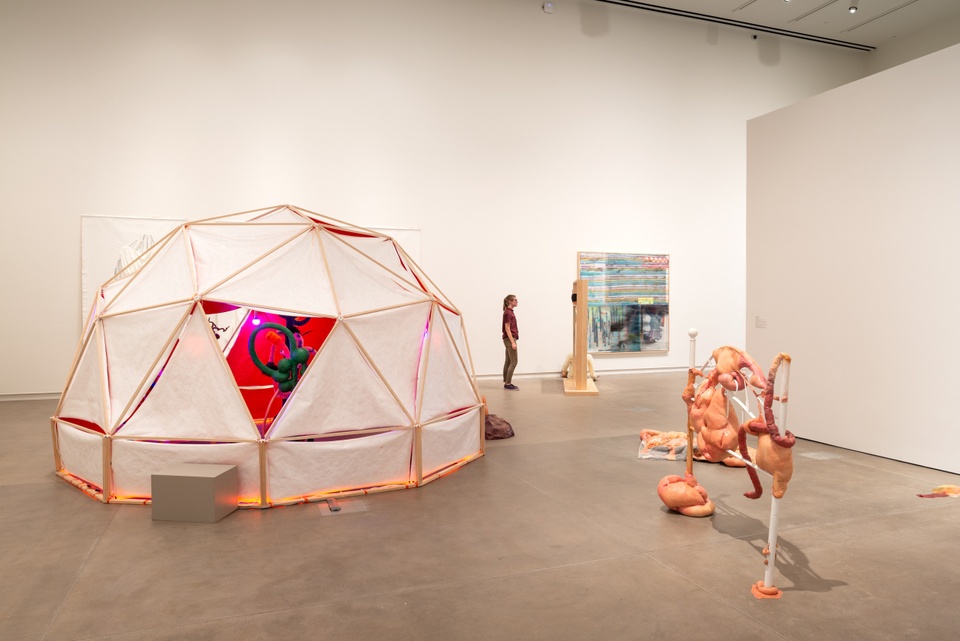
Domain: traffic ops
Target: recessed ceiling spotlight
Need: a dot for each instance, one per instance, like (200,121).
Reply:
(853,6)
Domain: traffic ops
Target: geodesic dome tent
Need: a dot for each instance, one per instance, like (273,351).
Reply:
(312,354)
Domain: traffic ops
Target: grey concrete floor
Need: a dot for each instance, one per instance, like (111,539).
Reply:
(555,534)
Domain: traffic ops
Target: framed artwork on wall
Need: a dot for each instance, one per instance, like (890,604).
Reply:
(627,301)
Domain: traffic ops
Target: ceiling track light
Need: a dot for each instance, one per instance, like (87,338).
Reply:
(854,5)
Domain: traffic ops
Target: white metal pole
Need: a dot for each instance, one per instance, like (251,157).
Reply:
(785,397)
(692,333)
(775,502)
(772,542)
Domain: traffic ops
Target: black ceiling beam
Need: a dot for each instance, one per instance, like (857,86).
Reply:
(737,23)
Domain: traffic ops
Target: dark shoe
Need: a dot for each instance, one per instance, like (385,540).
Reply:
(510,386)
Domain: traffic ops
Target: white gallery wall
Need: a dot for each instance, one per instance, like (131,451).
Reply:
(510,137)
(852,232)
(897,51)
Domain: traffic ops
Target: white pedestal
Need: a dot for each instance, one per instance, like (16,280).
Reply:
(197,492)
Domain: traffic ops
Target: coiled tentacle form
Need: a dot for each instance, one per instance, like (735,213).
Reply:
(773,450)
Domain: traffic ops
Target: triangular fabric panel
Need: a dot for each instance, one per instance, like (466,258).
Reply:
(299,468)
(455,325)
(450,441)
(109,291)
(134,344)
(394,340)
(81,454)
(446,386)
(339,392)
(292,279)
(83,397)
(165,279)
(195,397)
(363,286)
(221,250)
(384,252)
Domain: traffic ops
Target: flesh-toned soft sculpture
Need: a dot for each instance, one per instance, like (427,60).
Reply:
(711,417)
(312,354)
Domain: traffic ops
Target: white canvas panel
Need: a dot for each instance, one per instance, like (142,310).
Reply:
(135,461)
(301,468)
(110,291)
(196,396)
(83,397)
(340,391)
(454,324)
(81,454)
(137,345)
(445,385)
(394,339)
(219,251)
(450,441)
(292,278)
(362,285)
(165,279)
(383,251)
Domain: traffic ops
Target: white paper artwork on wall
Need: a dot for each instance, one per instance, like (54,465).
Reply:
(109,242)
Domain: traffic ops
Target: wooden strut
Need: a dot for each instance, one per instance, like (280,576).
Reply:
(265,211)
(262,449)
(418,454)
(418,428)
(107,468)
(57,460)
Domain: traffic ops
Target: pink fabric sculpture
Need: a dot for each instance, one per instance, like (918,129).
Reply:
(774,453)
(685,495)
(711,418)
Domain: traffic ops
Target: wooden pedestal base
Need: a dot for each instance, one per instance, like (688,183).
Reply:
(570,388)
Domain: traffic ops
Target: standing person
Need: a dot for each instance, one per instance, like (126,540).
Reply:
(510,336)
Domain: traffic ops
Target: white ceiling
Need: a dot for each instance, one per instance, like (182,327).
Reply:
(876,22)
